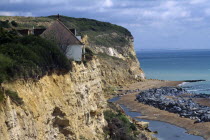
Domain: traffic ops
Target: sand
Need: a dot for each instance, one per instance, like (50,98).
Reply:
(147,84)
(152,113)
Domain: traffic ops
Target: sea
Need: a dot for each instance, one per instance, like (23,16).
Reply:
(178,65)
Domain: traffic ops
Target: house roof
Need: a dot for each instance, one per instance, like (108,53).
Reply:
(61,34)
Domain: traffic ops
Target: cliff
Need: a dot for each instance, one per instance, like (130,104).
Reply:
(70,105)
(66,106)
(104,39)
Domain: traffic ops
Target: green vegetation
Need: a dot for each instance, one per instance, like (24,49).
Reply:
(82,138)
(13,95)
(5,24)
(132,56)
(119,127)
(88,54)
(14,23)
(99,33)
(28,57)
(1,95)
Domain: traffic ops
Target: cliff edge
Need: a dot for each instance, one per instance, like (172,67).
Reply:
(64,105)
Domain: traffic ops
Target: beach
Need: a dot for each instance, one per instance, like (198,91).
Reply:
(152,113)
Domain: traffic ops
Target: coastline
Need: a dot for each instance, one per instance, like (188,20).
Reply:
(151,83)
(152,113)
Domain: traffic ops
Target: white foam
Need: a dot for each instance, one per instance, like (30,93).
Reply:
(193,90)
(183,83)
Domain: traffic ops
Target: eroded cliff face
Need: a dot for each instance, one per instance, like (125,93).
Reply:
(66,106)
(119,64)
(70,106)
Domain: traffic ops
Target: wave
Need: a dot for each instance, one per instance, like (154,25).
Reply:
(182,84)
(198,89)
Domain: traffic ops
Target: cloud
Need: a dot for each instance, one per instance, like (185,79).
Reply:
(12,13)
(51,2)
(108,3)
(197,1)
(207,11)
(142,17)
(7,13)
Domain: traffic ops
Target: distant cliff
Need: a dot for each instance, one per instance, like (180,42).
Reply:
(69,105)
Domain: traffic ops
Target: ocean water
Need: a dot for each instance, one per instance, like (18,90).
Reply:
(178,65)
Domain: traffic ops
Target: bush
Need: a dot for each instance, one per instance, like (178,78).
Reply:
(5,64)
(1,95)
(7,37)
(28,57)
(5,24)
(88,54)
(13,96)
(119,126)
(14,23)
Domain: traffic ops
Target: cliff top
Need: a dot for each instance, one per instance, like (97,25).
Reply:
(99,33)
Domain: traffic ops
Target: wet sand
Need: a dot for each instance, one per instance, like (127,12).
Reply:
(152,113)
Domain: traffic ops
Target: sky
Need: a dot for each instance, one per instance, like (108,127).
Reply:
(155,24)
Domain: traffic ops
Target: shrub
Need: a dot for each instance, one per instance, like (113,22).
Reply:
(7,37)
(13,96)
(119,127)
(5,64)
(14,23)
(1,95)
(88,54)
(28,57)
(5,24)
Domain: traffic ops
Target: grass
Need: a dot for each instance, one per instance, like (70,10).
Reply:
(99,33)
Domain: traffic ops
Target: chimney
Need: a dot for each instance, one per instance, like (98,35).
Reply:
(58,17)
(31,31)
(75,32)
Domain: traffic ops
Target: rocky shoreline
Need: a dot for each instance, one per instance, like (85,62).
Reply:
(176,100)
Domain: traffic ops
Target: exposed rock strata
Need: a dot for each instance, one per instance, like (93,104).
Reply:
(118,71)
(66,106)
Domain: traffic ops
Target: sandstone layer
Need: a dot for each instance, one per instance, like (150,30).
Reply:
(66,106)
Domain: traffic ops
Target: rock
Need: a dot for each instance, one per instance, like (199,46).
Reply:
(143,125)
(176,100)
